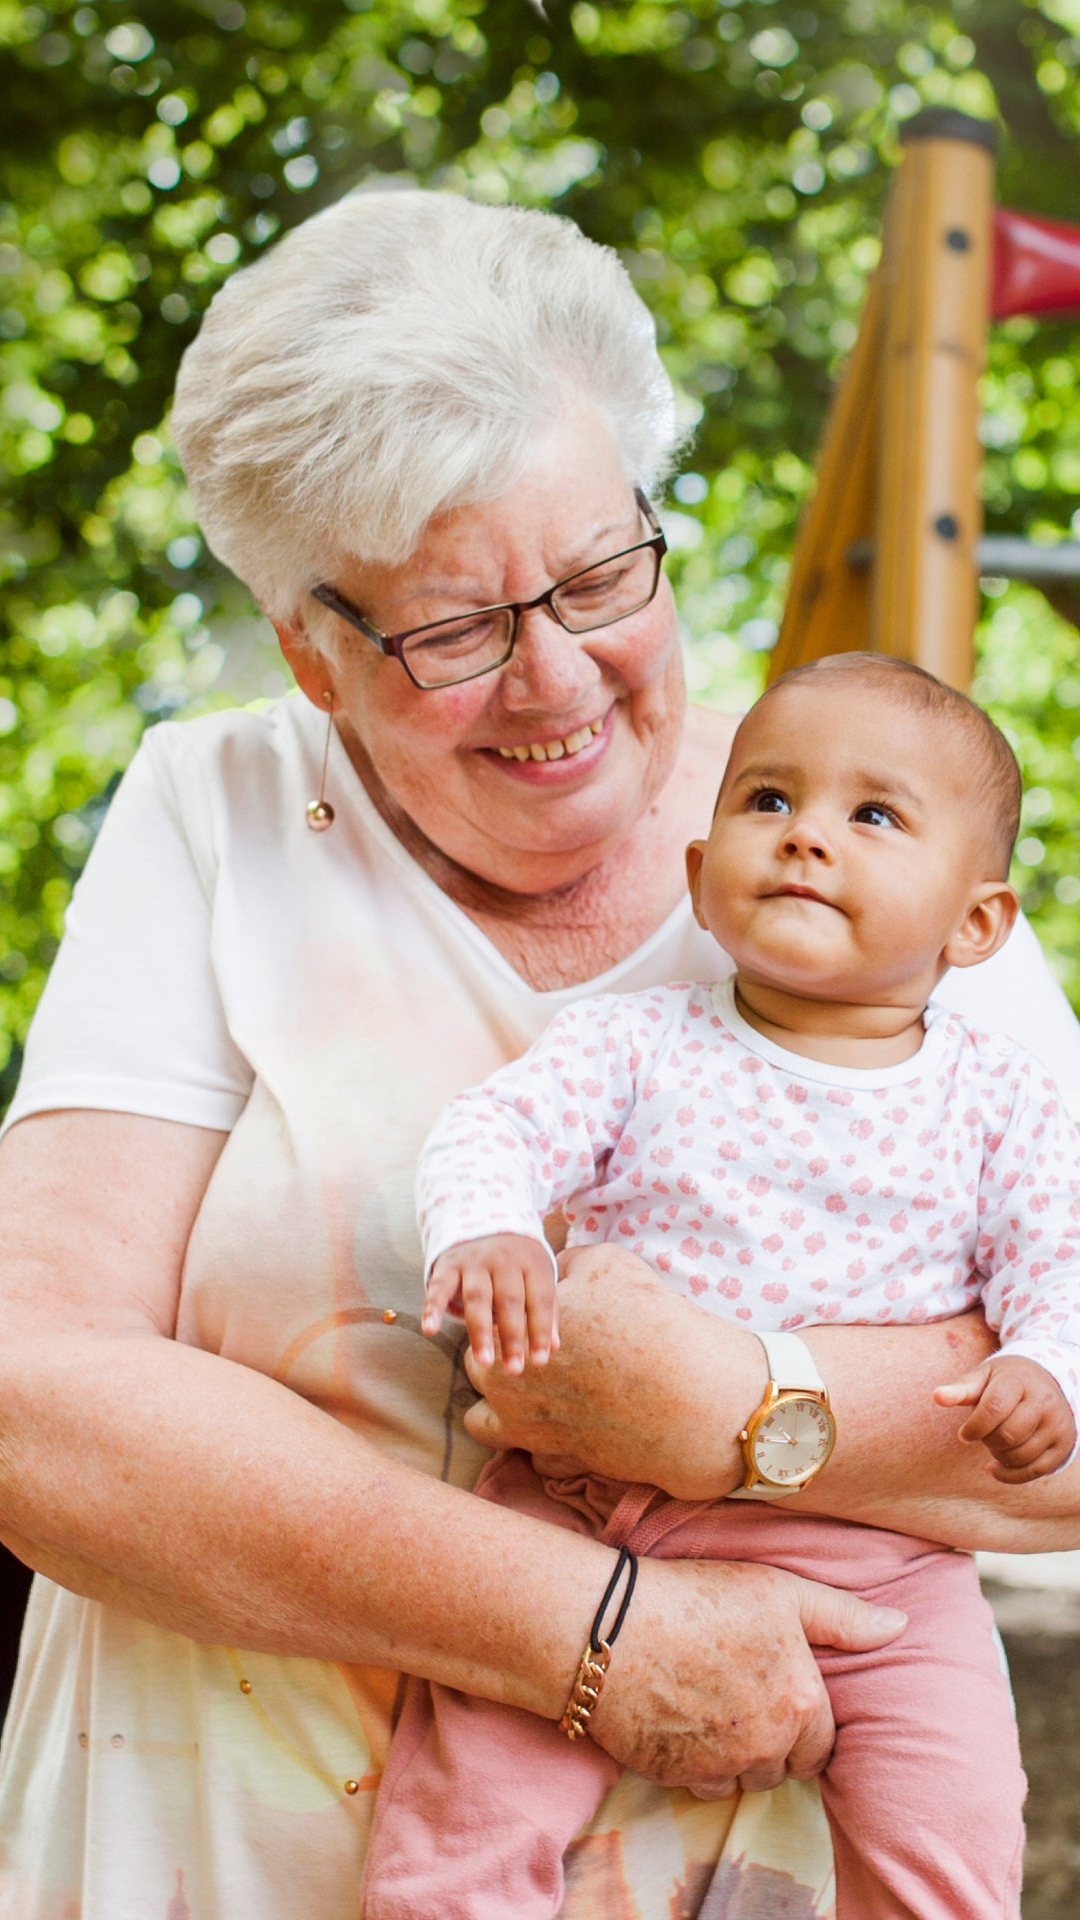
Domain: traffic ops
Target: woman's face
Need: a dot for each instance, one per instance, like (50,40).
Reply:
(445,759)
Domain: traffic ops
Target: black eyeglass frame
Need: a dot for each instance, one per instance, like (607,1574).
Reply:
(393,644)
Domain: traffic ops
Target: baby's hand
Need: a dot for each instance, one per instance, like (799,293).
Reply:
(506,1282)
(1021,1416)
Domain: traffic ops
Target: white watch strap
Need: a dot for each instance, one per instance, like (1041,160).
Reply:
(791,1367)
(762,1492)
(790,1362)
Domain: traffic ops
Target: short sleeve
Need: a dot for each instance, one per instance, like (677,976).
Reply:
(131,1019)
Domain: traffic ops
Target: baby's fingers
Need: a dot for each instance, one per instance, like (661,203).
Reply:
(1048,1461)
(1019,1449)
(964,1392)
(510,1315)
(543,1315)
(442,1289)
(477,1293)
(994,1415)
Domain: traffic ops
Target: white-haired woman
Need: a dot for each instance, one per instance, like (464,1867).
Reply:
(239,1471)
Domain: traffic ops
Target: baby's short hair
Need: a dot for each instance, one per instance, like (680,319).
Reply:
(996,785)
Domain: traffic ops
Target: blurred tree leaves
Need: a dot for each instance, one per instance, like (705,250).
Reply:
(736,154)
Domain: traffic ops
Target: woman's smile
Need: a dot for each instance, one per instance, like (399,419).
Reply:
(566,746)
(552,761)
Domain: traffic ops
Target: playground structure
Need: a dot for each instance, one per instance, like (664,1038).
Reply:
(890,549)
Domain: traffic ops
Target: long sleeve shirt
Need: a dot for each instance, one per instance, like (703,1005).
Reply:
(773,1189)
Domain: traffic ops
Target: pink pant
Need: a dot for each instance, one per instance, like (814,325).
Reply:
(923,1792)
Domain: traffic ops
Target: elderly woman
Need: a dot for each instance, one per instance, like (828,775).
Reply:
(241,1475)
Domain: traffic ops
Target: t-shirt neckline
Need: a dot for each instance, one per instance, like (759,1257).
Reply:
(824,1072)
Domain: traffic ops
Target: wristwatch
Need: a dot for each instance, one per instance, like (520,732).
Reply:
(789,1437)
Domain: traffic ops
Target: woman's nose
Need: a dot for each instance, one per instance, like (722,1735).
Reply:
(548,667)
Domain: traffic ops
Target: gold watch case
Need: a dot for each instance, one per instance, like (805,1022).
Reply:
(788,1440)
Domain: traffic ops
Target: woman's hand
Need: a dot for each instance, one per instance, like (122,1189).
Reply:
(712,1683)
(632,1392)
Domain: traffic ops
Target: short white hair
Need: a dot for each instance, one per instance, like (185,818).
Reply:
(396,356)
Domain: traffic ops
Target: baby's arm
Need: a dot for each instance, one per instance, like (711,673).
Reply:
(1021,1416)
(1026,1399)
(502,1155)
(504,1283)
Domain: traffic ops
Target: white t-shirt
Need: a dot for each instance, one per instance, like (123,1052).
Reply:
(320,997)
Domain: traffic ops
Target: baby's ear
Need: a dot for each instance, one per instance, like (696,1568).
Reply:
(986,925)
(695,854)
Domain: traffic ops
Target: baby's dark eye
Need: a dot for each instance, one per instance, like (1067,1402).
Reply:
(769,801)
(873,815)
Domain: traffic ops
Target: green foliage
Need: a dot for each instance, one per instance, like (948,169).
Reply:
(737,155)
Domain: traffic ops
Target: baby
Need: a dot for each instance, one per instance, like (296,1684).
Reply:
(806,1142)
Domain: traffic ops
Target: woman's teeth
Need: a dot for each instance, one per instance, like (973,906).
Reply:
(555,749)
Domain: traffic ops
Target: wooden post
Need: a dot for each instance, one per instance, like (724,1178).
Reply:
(827,608)
(936,273)
(898,475)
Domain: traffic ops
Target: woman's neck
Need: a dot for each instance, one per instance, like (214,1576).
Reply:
(572,931)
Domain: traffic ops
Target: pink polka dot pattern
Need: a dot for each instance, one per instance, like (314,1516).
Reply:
(773,1189)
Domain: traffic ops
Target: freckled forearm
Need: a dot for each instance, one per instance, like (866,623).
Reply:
(898,1462)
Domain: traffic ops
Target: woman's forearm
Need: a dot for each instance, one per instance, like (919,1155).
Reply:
(898,1462)
(206,1497)
(691,1380)
(214,1502)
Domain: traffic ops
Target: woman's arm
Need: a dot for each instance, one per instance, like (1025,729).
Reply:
(648,1386)
(211,1500)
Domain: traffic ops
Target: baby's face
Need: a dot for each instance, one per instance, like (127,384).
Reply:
(845,848)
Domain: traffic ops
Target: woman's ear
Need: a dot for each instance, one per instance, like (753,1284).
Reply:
(309,669)
(695,854)
(985,927)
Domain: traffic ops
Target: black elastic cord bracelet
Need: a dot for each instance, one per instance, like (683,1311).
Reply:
(597,1638)
(593,1665)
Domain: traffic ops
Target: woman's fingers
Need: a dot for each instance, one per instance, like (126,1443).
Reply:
(713,1684)
(831,1617)
(482,1423)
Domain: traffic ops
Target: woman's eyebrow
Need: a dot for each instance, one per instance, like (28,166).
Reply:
(471,596)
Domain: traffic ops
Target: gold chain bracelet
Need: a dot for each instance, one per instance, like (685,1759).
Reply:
(596,1659)
(586,1690)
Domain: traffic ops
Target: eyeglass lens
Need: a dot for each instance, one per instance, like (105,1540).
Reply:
(459,649)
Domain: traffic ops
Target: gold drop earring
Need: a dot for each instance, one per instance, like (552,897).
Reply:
(320,814)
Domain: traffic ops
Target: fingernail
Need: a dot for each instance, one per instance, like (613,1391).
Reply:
(514,1363)
(484,1355)
(889,1619)
(539,1356)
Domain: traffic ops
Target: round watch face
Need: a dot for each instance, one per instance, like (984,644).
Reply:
(792,1440)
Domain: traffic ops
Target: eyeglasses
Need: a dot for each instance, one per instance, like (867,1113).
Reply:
(449,651)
